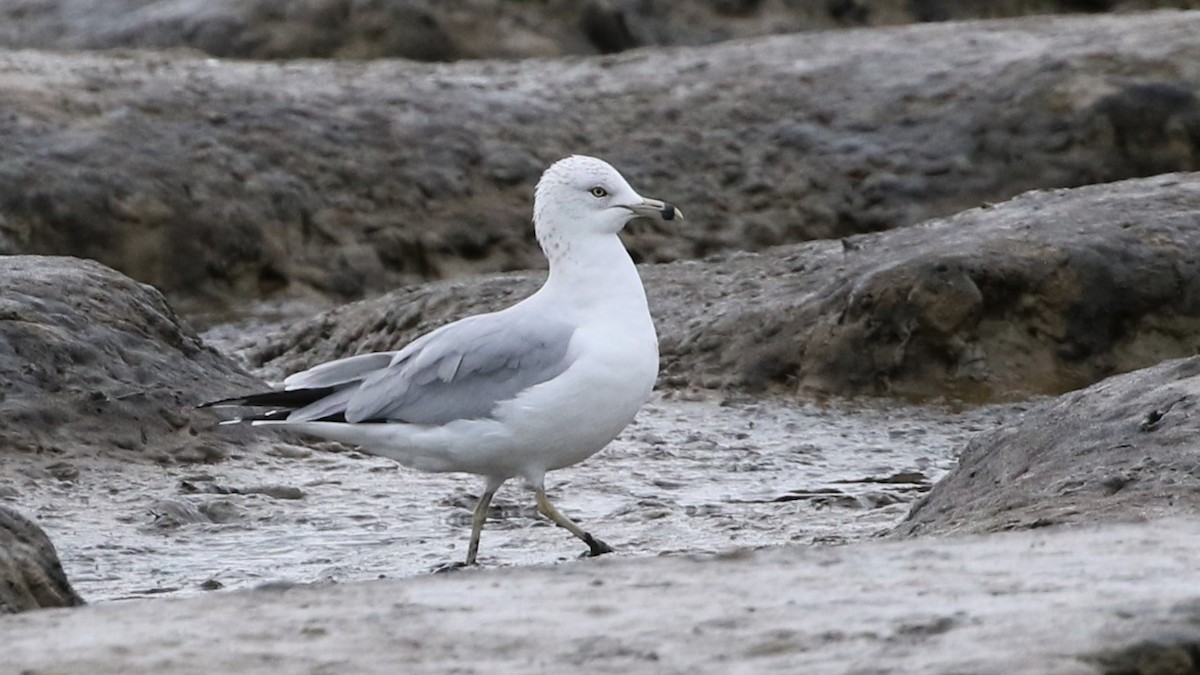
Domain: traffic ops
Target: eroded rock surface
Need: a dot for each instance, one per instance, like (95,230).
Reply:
(1042,294)
(31,577)
(1090,601)
(94,362)
(1122,450)
(443,30)
(220,181)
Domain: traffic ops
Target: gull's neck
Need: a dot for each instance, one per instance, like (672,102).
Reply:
(594,272)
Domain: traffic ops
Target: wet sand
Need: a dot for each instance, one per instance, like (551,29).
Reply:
(688,477)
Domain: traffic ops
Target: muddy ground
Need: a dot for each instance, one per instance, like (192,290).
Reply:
(689,477)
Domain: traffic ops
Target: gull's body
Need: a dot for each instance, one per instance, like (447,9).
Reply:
(612,352)
(539,386)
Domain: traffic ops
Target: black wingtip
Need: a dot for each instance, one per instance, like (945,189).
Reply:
(224,401)
(669,211)
(290,398)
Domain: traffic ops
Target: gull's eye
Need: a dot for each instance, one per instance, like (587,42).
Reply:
(599,192)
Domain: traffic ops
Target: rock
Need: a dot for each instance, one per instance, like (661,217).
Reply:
(31,577)
(220,181)
(275,491)
(1043,294)
(607,27)
(987,308)
(207,485)
(1120,450)
(263,29)
(451,29)
(171,513)
(1089,601)
(94,362)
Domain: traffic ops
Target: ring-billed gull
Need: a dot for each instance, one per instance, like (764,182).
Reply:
(541,385)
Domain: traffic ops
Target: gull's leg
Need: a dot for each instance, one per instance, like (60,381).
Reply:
(477,520)
(595,546)
(481,509)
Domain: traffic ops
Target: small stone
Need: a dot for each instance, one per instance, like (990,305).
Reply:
(211,585)
(275,491)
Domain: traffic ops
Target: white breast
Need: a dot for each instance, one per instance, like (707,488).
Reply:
(575,415)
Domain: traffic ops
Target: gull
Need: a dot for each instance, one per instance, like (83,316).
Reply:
(538,386)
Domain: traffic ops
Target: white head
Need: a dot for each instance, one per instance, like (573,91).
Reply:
(585,196)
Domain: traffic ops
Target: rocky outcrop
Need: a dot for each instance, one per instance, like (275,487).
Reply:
(1042,294)
(220,181)
(1095,601)
(444,30)
(1048,292)
(94,362)
(31,577)
(1122,450)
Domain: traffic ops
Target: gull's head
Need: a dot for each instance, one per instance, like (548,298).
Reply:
(584,195)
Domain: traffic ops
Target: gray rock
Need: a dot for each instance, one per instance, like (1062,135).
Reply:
(171,513)
(1045,293)
(275,491)
(450,29)
(1121,450)
(92,361)
(221,181)
(1081,601)
(31,576)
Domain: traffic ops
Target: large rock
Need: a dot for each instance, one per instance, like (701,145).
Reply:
(31,577)
(219,180)
(1095,601)
(94,362)
(1042,294)
(449,29)
(1048,292)
(1125,449)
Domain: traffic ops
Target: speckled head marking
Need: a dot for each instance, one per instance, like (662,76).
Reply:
(583,196)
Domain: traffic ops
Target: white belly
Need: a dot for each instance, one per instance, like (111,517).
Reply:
(572,417)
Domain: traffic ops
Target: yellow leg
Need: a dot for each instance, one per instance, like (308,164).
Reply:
(480,517)
(477,521)
(595,546)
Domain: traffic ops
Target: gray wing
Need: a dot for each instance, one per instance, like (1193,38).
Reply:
(460,371)
(342,371)
(343,375)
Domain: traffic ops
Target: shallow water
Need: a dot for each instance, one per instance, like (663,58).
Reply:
(688,477)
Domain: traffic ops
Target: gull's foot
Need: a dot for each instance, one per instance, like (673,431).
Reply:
(595,546)
(452,567)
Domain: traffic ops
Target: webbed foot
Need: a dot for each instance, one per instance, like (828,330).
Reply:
(452,567)
(595,546)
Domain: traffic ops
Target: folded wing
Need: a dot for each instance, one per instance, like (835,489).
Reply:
(460,371)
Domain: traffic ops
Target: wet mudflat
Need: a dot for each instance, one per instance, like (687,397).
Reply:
(688,477)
